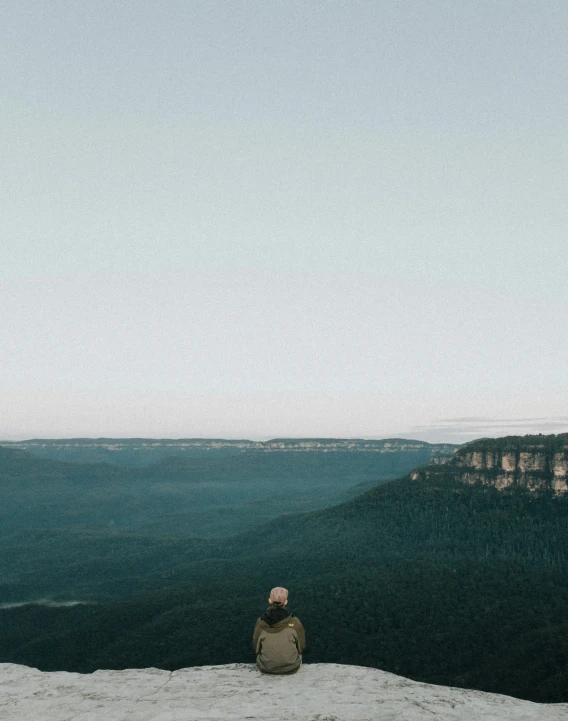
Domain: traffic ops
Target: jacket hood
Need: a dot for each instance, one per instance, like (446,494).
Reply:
(275,614)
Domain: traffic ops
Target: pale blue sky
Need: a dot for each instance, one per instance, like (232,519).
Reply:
(254,219)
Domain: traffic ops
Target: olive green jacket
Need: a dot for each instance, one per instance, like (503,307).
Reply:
(279,646)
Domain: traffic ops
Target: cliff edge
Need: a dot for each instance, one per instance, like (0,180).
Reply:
(531,462)
(318,692)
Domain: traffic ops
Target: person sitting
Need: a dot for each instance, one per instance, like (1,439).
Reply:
(279,637)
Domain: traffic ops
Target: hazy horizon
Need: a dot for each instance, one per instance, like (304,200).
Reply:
(284,219)
(448,431)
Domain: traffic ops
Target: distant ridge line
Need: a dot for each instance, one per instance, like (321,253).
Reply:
(284,439)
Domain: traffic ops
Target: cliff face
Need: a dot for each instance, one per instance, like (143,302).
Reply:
(533,462)
(353,445)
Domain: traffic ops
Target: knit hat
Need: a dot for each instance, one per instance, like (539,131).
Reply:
(279,595)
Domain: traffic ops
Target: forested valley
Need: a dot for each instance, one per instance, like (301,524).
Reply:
(428,577)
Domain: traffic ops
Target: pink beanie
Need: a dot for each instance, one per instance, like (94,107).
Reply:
(279,594)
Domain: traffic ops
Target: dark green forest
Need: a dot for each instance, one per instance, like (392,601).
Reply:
(429,578)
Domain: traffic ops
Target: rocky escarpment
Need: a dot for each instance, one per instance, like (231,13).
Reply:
(138,452)
(353,445)
(532,462)
(180,446)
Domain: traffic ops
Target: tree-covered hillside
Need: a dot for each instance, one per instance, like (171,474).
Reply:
(548,443)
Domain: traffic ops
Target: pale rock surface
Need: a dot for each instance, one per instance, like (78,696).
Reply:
(537,468)
(318,692)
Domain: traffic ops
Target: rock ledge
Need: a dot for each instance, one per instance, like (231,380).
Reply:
(318,692)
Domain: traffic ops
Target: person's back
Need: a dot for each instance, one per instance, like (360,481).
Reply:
(279,637)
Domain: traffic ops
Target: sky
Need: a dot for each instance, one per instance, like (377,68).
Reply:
(258,219)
